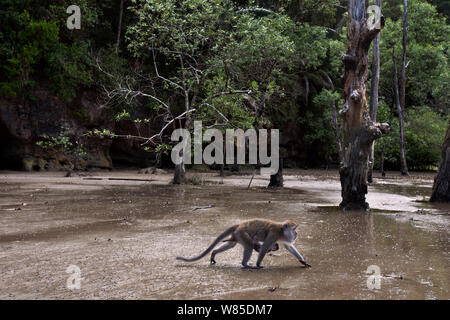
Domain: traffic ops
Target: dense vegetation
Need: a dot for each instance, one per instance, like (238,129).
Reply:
(230,63)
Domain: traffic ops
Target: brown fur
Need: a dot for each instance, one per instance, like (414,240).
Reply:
(249,234)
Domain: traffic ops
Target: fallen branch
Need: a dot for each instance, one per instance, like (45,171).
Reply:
(205,207)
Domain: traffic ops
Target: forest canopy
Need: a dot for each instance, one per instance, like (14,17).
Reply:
(230,63)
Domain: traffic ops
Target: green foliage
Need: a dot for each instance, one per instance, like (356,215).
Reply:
(427,74)
(37,46)
(64,144)
(105,133)
(424,133)
(163,148)
(122,115)
(68,68)
(427,84)
(35,40)
(318,122)
(181,26)
(255,54)
(278,51)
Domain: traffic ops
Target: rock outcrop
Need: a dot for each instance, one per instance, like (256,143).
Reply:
(24,121)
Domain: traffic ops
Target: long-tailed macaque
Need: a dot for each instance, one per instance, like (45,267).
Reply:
(249,233)
(256,245)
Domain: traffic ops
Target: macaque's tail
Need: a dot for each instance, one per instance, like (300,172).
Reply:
(218,239)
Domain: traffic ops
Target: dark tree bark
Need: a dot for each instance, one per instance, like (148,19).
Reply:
(119,28)
(383,173)
(404,166)
(359,131)
(69,172)
(179,174)
(235,167)
(180,170)
(374,92)
(441,186)
(404,42)
(401,121)
(276,180)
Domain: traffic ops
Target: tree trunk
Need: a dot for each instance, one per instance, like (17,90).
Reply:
(403,72)
(180,171)
(441,186)
(276,180)
(383,173)
(235,167)
(69,172)
(179,174)
(334,123)
(404,166)
(359,131)
(374,92)
(401,122)
(119,28)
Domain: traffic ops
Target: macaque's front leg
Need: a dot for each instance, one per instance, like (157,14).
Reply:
(295,253)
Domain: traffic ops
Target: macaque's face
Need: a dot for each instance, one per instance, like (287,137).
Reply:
(290,234)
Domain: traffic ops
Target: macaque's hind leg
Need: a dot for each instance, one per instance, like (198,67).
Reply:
(223,248)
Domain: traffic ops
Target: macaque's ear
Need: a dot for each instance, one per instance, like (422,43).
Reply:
(289,224)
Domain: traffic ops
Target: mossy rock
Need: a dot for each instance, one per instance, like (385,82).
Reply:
(29,164)
(99,160)
(200,167)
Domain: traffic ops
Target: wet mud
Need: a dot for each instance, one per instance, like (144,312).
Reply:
(123,235)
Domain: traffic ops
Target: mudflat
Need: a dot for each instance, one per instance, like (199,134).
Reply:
(123,230)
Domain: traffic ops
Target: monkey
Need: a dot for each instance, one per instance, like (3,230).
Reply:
(247,233)
(256,244)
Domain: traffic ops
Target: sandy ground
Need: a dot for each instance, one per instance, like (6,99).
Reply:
(121,237)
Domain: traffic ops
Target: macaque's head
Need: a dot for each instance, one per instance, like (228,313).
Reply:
(289,233)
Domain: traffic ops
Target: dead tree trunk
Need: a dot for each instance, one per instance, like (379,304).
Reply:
(401,121)
(441,186)
(374,93)
(359,131)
